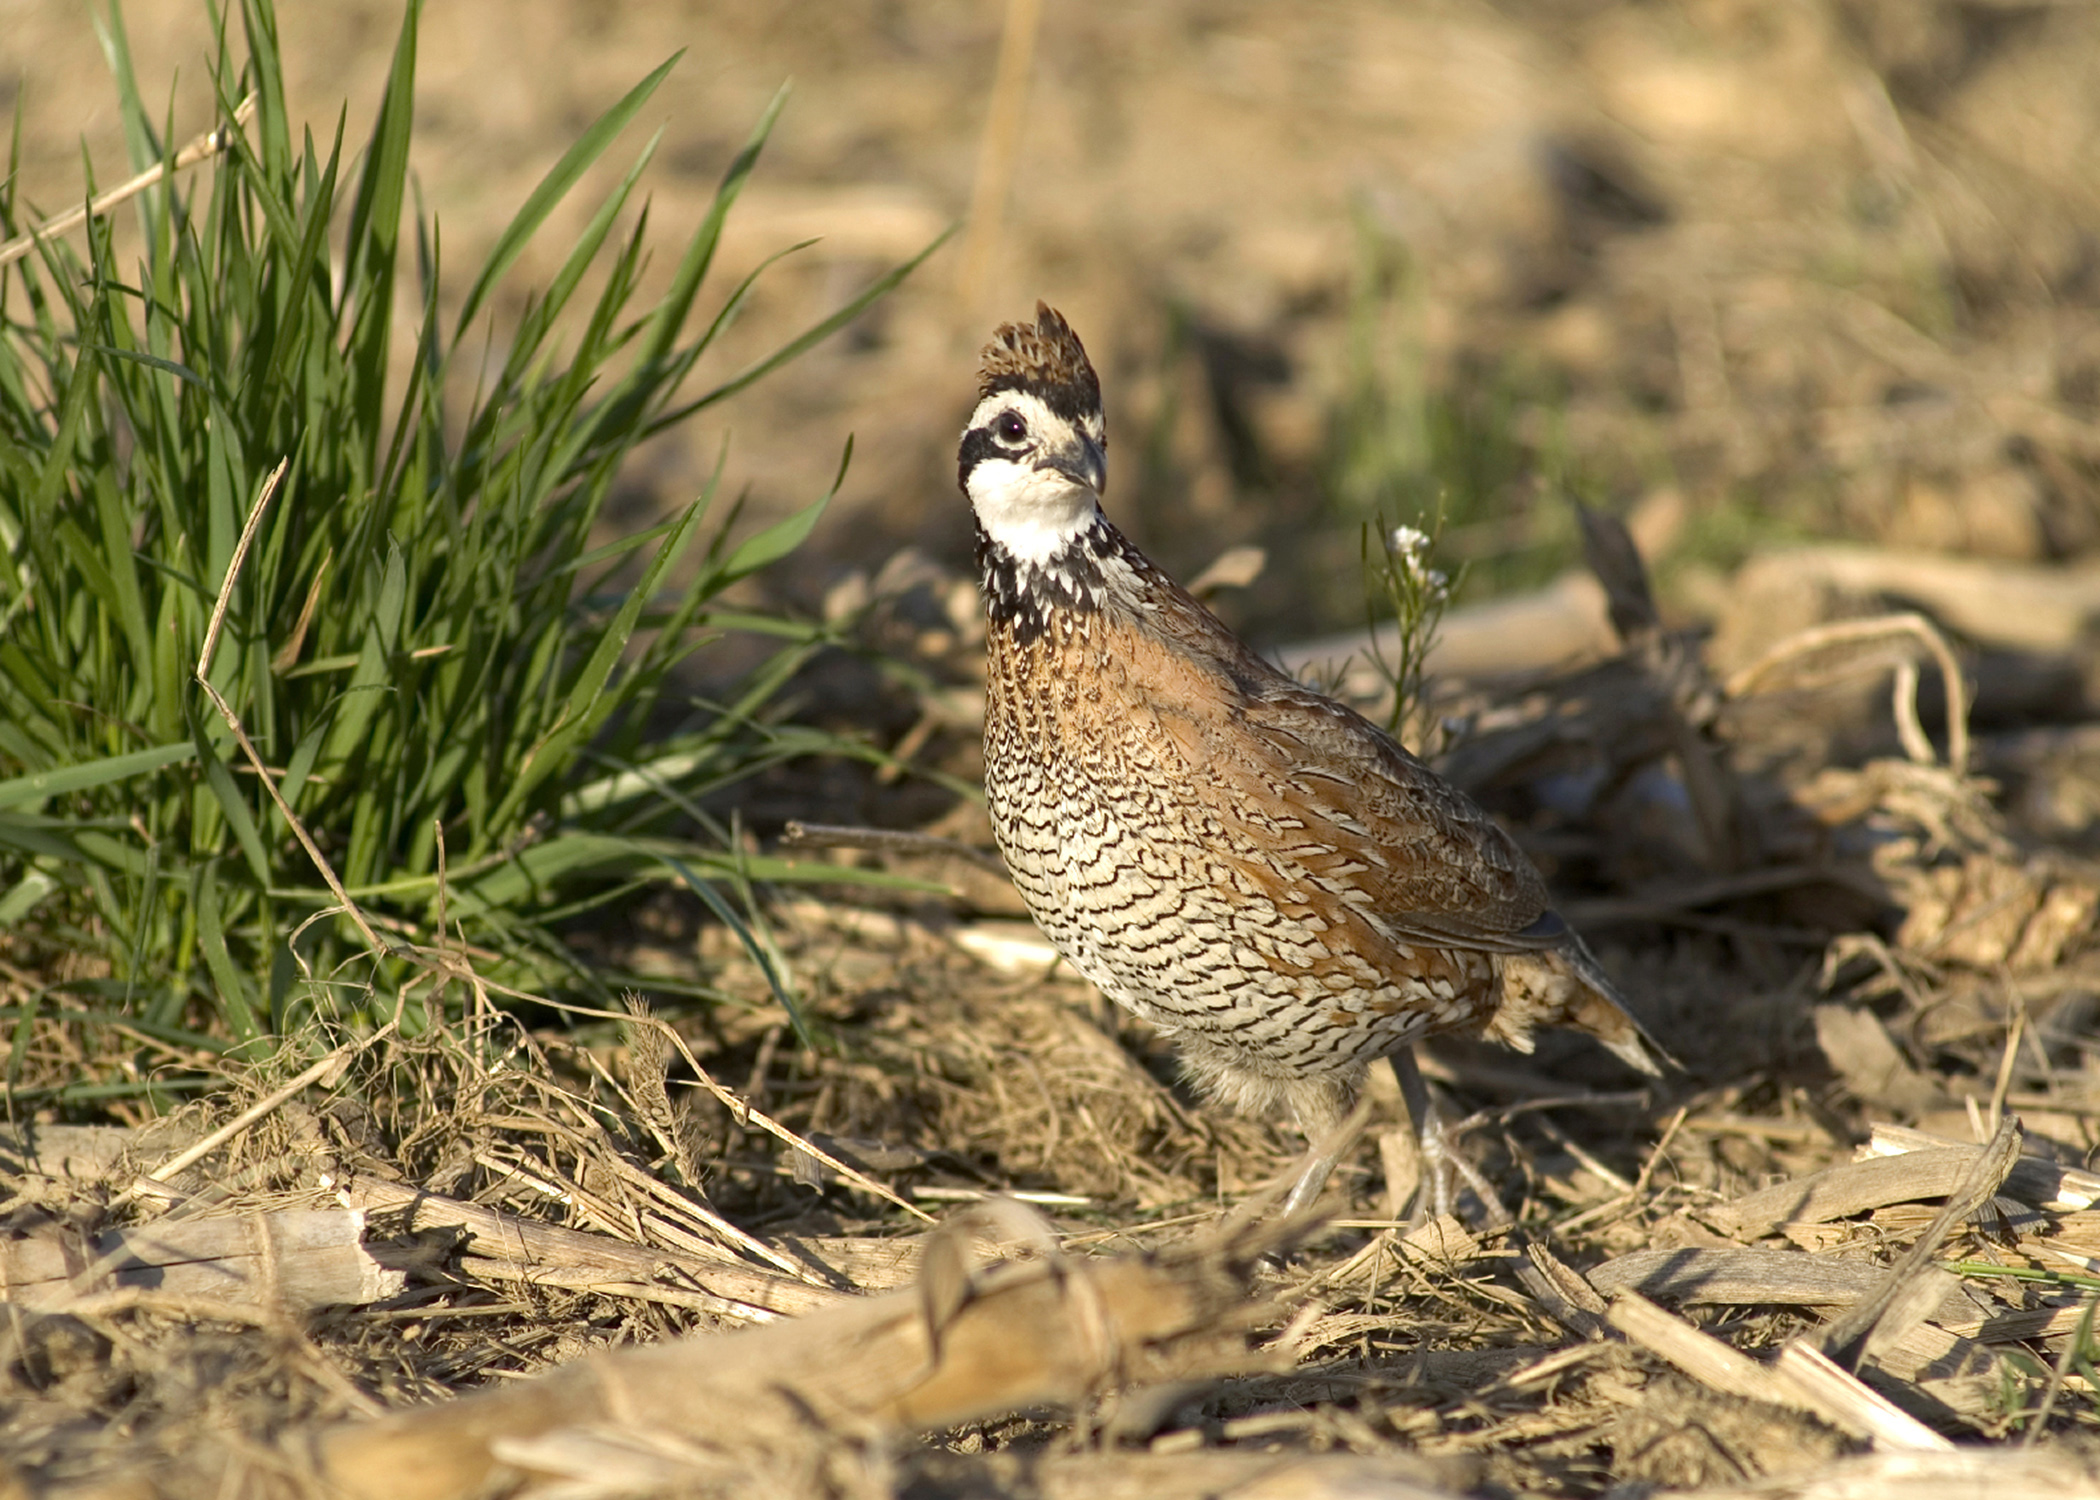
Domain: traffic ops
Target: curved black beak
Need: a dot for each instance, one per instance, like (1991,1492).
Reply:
(1080,461)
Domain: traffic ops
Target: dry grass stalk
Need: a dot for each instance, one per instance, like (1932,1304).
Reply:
(203,148)
(996,152)
(507,1247)
(202,673)
(1824,653)
(154,1183)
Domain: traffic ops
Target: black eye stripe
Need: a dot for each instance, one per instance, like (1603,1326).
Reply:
(977,446)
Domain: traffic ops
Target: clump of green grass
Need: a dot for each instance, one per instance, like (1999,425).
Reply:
(424,645)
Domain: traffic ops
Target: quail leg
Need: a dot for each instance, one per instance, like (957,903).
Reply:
(1329,1134)
(1442,1161)
(1436,1192)
(1319,1163)
(1329,1137)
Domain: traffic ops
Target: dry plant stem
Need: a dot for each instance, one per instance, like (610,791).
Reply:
(378,945)
(1802,1379)
(2047,1184)
(996,151)
(1022,1335)
(507,1247)
(1840,1393)
(1881,627)
(1849,1188)
(1718,1366)
(800,835)
(260,1264)
(1749,1276)
(204,147)
(2003,1084)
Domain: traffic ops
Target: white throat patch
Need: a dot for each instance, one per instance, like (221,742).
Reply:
(1034,513)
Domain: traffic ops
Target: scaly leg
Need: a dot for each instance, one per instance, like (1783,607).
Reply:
(1435,1191)
(1328,1141)
(1441,1159)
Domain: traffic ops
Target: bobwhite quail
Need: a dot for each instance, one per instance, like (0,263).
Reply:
(1249,865)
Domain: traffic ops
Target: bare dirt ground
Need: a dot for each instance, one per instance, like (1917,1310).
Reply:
(1824,266)
(1809,294)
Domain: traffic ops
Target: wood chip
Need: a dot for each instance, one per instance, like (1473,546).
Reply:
(1705,1358)
(1746,1277)
(1857,1187)
(1862,1052)
(2045,1184)
(294,1259)
(1846,1398)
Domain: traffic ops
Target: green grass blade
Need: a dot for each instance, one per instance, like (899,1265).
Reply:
(809,338)
(761,953)
(138,128)
(92,774)
(236,990)
(767,547)
(152,361)
(239,817)
(410,637)
(554,187)
(660,335)
(375,228)
(578,719)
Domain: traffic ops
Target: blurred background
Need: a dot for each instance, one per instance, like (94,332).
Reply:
(1746,273)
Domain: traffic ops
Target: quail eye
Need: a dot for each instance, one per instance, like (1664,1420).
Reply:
(1009,427)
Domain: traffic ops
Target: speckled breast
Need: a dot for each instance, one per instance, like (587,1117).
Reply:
(1113,839)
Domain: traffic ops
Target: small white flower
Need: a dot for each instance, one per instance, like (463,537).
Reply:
(1409,543)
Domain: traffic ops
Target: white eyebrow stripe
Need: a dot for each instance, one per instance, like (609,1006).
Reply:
(1034,410)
